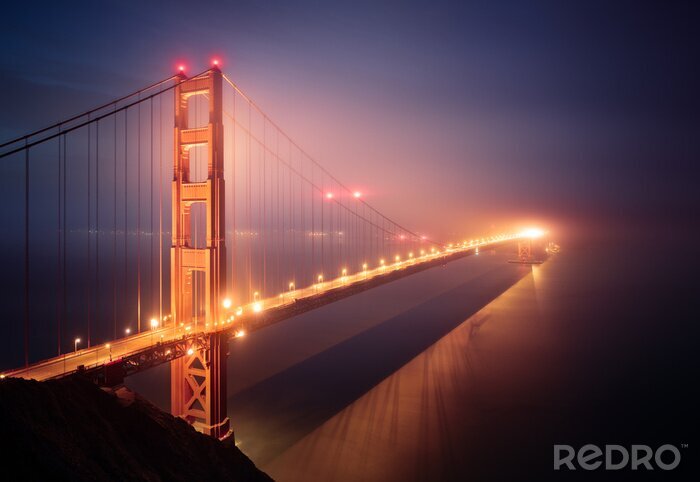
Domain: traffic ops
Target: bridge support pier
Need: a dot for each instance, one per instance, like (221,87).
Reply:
(198,386)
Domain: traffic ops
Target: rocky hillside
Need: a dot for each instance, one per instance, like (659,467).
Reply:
(73,430)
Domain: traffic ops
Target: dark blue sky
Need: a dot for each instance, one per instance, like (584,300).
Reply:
(447,114)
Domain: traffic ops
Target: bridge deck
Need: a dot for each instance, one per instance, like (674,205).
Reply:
(161,345)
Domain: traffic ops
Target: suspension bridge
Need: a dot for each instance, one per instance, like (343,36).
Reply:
(154,228)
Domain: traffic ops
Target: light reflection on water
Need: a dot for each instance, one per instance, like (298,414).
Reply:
(369,388)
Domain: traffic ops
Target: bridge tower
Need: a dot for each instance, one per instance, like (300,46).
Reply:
(198,379)
(525,249)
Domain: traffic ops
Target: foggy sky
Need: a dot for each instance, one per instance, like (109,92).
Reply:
(451,118)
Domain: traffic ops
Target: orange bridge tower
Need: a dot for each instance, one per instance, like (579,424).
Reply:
(198,379)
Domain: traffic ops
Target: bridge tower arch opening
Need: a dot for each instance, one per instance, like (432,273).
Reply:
(198,379)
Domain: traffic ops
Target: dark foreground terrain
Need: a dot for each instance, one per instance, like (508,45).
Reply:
(73,430)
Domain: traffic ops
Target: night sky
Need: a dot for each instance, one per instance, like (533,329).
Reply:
(452,118)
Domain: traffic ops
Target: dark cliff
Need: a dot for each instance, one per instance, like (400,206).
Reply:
(73,430)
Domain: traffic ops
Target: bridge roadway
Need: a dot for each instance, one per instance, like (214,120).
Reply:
(149,348)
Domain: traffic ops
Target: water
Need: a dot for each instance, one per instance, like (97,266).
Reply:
(594,346)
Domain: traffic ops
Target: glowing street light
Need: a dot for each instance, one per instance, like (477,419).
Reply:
(329,195)
(75,344)
(154,323)
(257,307)
(127,331)
(381,263)
(397,258)
(226,303)
(357,194)
(255,296)
(190,351)
(291,286)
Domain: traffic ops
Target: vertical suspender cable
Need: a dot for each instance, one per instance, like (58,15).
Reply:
(233,199)
(125,292)
(58,252)
(65,216)
(138,226)
(150,209)
(160,207)
(114,237)
(97,223)
(263,237)
(26,256)
(88,281)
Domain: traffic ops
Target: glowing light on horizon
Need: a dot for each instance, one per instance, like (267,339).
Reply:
(532,233)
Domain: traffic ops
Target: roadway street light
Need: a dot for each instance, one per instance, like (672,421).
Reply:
(226,303)
(75,344)
(127,331)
